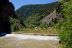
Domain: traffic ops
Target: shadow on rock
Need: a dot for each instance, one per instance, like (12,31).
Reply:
(3,34)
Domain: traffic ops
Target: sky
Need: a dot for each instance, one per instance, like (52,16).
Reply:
(19,3)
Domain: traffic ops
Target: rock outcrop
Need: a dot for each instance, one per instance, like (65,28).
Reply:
(6,10)
(53,17)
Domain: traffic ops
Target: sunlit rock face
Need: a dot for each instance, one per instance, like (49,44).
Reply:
(6,10)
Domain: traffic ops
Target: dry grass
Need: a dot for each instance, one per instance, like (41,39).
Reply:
(49,31)
(16,43)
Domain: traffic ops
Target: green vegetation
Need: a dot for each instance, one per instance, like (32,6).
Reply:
(38,31)
(31,15)
(65,26)
(15,24)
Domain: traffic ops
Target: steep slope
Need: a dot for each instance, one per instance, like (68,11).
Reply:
(49,18)
(52,18)
(32,15)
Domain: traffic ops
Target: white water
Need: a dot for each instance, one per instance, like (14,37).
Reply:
(35,37)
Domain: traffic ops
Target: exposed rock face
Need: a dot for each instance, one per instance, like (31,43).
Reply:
(52,17)
(6,10)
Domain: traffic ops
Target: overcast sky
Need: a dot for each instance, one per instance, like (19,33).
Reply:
(19,3)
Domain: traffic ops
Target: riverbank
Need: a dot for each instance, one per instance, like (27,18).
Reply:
(28,41)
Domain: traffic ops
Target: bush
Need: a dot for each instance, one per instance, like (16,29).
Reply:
(15,24)
(65,27)
(66,34)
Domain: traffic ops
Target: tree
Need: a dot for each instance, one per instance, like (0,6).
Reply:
(66,26)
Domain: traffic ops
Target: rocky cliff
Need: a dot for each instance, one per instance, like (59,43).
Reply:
(6,10)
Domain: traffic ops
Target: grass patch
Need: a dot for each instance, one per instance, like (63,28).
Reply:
(42,31)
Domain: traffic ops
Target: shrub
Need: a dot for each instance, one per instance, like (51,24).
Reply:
(65,27)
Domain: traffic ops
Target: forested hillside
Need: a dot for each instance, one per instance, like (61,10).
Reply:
(31,15)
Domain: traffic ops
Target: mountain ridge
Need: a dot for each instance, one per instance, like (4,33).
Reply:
(31,15)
